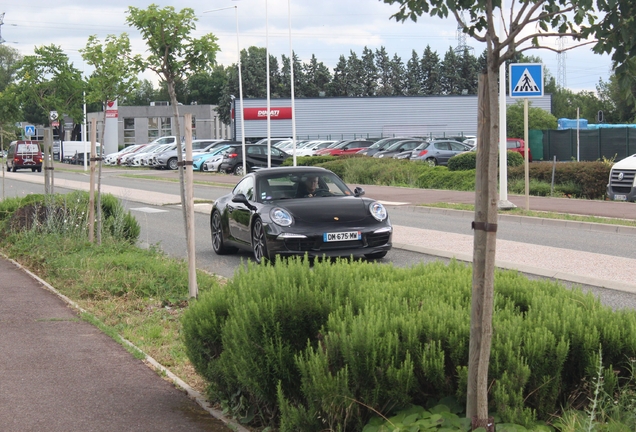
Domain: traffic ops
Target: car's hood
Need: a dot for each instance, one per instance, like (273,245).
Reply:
(327,209)
(628,163)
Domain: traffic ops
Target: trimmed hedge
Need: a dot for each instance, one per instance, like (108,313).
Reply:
(468,161)
(588,177)
(319,348)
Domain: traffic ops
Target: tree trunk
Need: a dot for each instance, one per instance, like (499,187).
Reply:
(485,226)
(177,131)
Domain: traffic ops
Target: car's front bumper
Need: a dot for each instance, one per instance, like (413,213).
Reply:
(374,240)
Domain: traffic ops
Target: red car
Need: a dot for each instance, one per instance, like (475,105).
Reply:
(519,146)
(345,147)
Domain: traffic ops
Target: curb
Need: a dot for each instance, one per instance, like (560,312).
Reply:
(586,226)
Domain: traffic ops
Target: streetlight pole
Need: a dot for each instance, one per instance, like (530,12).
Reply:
(240,77)
(291,61)
(269,124)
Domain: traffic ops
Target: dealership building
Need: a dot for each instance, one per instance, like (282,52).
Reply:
(348,118)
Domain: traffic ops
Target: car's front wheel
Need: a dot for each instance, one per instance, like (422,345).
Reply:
(259,242)
(173,164)
(431,162)
(238,170)
(216,227)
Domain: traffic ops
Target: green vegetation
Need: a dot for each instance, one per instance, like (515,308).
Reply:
(573,179)
(336,345)
(328,346)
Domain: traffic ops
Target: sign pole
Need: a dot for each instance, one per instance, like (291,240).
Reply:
(525,152)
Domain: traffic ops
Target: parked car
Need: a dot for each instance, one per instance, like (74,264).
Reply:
(199,160)
(24,155)
(404,146)
(265,214)
(438,152)
(111,158)
(257,157)
(169,159)
(312,146)
(380,145)
(272,141)
(518,145)
(345,147)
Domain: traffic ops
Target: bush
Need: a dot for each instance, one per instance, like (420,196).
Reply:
(463,162)
(468,161)
(67,214)
(308,160)
(590,178)
(322,347)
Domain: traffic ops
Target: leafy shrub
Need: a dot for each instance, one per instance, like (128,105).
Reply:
(67,213)
(591,177)
(463,162)
(322,347)
(468,161)
(308,160)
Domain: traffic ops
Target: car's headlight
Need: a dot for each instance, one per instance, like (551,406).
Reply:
(377,211)
(281,216)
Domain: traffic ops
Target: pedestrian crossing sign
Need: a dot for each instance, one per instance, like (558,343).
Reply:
(526,80)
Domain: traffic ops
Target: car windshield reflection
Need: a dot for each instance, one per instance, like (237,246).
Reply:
(300,186)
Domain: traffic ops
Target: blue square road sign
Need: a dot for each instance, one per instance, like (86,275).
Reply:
(526,80)
(29,130)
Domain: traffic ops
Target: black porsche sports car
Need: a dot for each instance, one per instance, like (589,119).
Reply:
(297,211)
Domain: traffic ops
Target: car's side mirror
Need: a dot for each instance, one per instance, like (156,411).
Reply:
(358,191)
(242,199)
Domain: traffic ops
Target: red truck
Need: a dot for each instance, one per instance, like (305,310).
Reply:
(519,146)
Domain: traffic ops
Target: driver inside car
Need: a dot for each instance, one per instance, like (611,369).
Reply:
(307,187)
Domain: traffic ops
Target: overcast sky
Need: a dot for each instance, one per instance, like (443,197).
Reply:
(326,28)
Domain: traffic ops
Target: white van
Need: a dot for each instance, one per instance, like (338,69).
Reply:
(71,148)
(622,180)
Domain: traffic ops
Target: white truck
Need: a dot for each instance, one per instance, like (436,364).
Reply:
(70,148)
(622,180)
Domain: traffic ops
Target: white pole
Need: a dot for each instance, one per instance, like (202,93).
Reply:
(269,129)
(293,106)
(577,136)
(84,131)
(503,151)
(526,144)
(238,48)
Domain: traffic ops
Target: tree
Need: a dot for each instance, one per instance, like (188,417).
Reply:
(317,77)
(205,88)
(527,23)
(414,75)
(174,55)
(383,65)
(398,73)
(355,76)
(538,118)
(369,73)
(430,72)
(468,72)
(140,96)
(114,76)
(338,86)
(48,81)
(450,80)
(9,61)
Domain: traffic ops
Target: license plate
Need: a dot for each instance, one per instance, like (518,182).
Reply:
(341,236)
(620,197)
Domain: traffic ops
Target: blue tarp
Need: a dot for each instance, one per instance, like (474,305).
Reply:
(564,123)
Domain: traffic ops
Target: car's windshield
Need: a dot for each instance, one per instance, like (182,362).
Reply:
(300,185)
(422,146)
